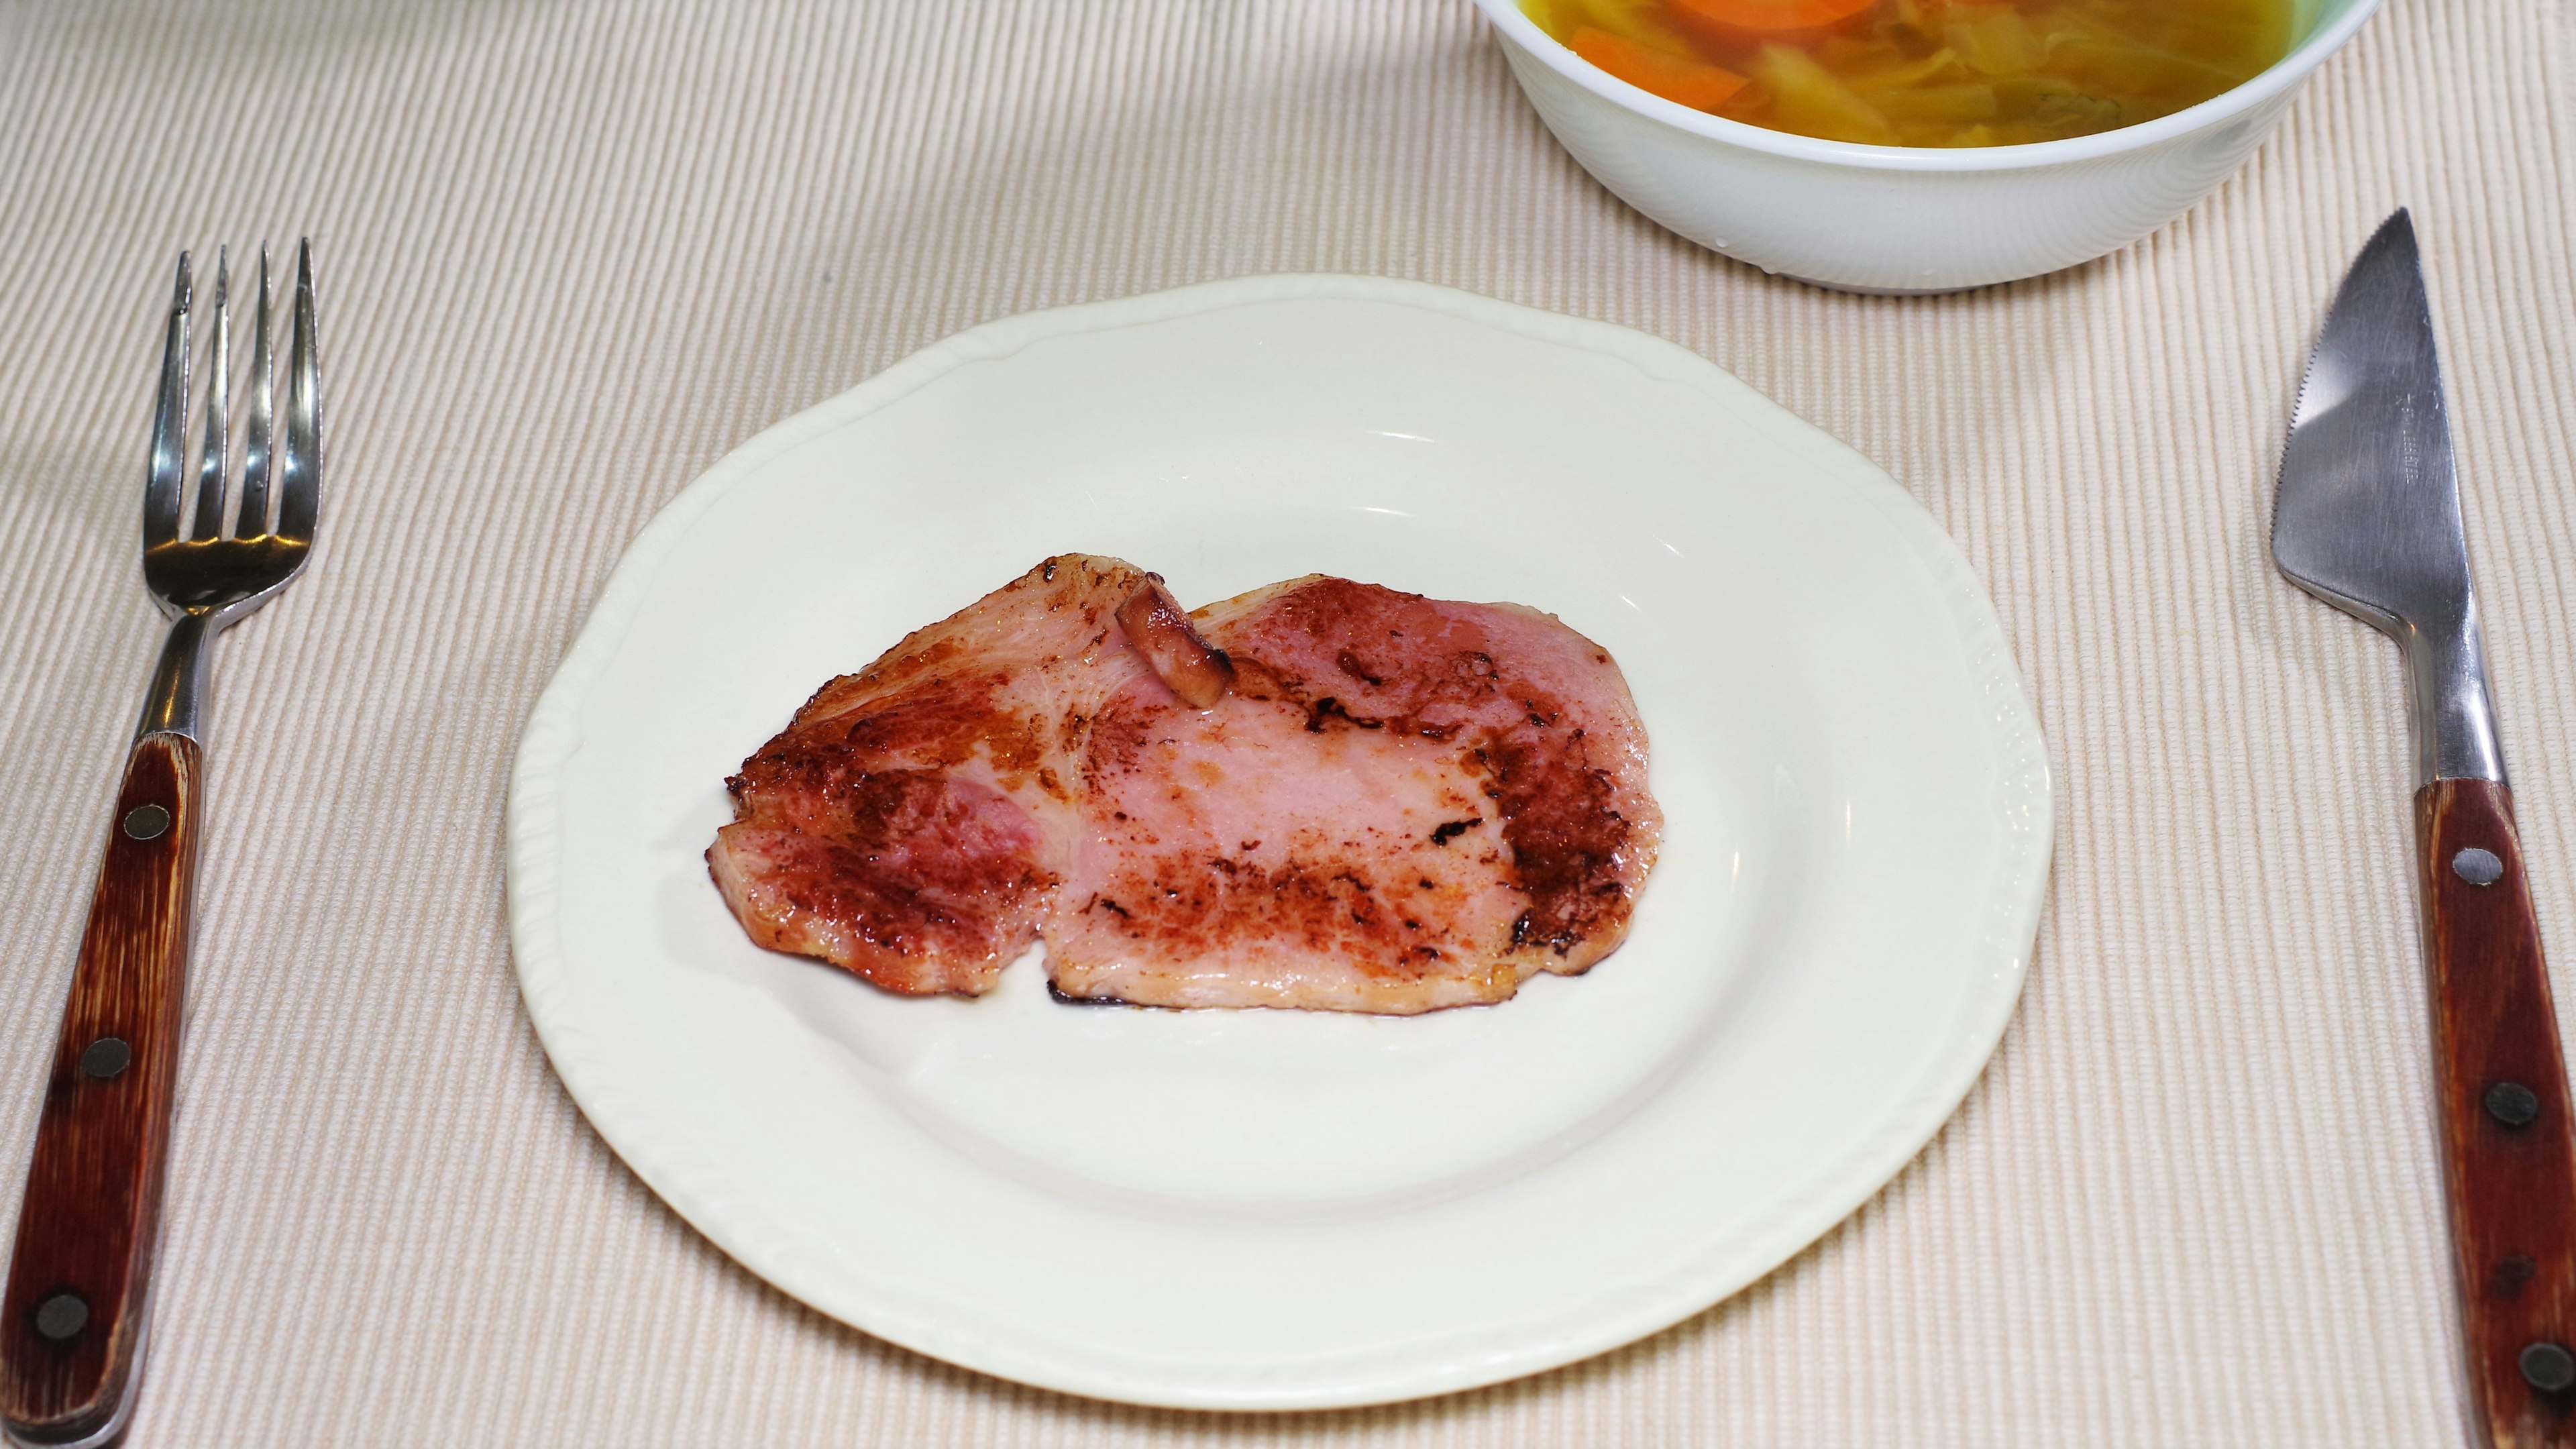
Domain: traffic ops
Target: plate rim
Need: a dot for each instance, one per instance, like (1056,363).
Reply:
(690,1187)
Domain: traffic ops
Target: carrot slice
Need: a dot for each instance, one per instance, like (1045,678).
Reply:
(1790,20)
(1685,82)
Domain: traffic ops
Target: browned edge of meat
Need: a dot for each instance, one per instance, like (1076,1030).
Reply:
(1197,671)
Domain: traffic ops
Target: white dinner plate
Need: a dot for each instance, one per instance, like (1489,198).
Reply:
(1269,1209)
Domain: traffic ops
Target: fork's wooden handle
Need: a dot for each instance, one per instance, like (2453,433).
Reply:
(2509,1153)
(73,1318)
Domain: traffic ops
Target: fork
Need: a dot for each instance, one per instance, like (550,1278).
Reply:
(77,1304)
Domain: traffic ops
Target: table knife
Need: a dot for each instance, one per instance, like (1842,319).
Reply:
(2367,518)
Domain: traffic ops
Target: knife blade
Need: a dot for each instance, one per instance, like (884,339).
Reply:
(2367,517)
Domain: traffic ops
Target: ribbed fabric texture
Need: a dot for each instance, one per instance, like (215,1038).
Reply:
(573,250)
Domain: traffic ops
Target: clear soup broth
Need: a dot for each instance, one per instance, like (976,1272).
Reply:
(1927,72)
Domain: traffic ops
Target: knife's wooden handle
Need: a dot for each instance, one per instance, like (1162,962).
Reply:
(2509,1154)
(74,1314)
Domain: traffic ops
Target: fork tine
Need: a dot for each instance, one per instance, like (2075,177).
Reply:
(219,374)
(169,422)
(299,490)
(263,391)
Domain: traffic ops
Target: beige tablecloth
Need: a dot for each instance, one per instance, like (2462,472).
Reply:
(574,250)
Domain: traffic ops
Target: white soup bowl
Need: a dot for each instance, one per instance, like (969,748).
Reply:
(1904,219)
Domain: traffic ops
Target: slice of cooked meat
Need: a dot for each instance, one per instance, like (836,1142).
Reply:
(1401,805)
(1405,805)
(912,822)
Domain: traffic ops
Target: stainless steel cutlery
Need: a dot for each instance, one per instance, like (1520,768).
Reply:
(74,1315)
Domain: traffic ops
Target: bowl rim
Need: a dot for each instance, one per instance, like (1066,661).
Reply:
(2311,52)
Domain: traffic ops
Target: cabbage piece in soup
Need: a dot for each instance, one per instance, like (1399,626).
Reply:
(1927,72)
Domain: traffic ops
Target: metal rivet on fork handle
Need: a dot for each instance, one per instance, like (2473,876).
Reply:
(145,822)
(2513,1104)
(60,1318)
(2548,1367)
(2477,866)
(106,1057)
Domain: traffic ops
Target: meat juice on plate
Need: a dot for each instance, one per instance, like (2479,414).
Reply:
(1927,72)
